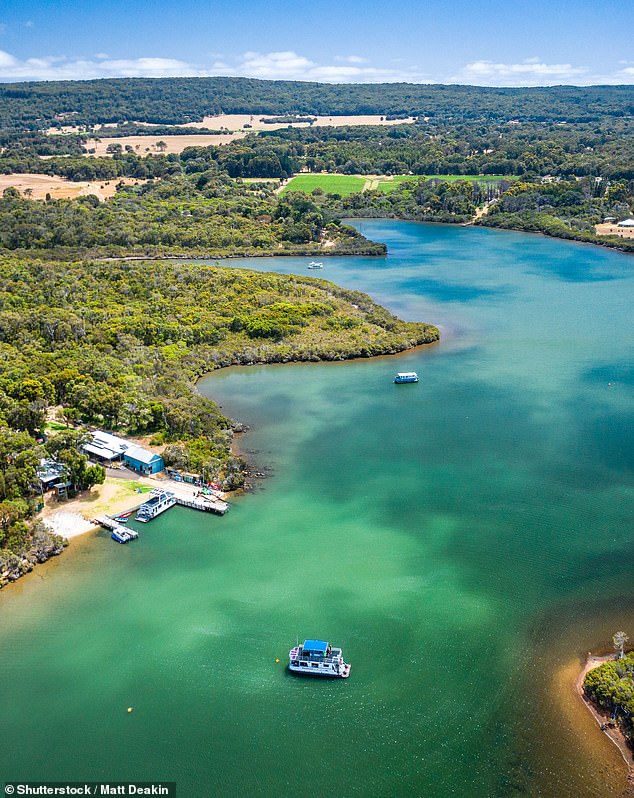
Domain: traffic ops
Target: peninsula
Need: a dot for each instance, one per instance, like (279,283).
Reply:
(120,345)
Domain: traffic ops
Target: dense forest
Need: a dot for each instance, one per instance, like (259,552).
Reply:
(35,106)
(531,149)
(200,214)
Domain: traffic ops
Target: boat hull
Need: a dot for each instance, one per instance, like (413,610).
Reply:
(318,673)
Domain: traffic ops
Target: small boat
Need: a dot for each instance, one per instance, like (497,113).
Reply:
(318,658)
(406,376)
(121,535)
(315,265)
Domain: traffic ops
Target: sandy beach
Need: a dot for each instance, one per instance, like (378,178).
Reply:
(120,492)
(614,734)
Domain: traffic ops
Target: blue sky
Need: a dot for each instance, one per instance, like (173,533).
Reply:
(494,43)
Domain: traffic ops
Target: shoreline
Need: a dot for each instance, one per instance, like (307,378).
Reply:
(614,734)
(74,519)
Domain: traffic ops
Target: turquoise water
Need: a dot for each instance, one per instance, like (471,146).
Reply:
(462,539)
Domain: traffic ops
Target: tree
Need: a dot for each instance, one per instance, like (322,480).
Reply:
(618,641)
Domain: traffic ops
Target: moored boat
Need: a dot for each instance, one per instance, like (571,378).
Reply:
(318,658)
(157,502)
(406,376)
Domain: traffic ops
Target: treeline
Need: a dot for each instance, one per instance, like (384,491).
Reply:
(611,686)
(417,200)
(565,209)
(203,214)
(461,149)
(529,149)
(120,344)
(37,105)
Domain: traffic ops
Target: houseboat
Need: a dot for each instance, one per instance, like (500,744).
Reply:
(157,502)
(318,658)
(406,376)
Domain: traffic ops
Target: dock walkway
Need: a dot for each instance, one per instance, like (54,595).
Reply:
(207,504)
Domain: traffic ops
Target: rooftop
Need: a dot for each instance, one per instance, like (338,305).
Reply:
(315,645)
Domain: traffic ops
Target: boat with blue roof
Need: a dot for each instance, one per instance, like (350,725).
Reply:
(318,658)
(406,376)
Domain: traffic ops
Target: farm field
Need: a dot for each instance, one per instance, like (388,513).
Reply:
(348,184)
(146,145)
(331,184)
(38,186)
(238,121)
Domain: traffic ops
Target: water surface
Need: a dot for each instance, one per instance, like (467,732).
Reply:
(464,540)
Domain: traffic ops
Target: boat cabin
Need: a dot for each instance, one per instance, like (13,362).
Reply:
(406,376)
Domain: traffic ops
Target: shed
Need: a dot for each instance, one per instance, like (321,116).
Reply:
(142,460)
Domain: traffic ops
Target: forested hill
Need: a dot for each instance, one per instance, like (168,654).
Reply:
(32,106)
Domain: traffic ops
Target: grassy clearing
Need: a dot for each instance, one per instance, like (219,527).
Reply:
(331,184)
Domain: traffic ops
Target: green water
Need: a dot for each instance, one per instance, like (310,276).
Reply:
(461,539)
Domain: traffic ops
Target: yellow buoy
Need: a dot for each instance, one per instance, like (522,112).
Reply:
(276,659)
(129,709)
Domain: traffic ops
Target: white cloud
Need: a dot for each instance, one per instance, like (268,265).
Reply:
(289,65)
(530,72)
(100,66)
(351,59)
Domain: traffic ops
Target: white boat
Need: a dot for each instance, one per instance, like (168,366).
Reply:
(157,502)
(318,658)
(406,376)
(315,265)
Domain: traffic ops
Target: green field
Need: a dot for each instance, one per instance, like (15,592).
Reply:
(331,184)
(349,184)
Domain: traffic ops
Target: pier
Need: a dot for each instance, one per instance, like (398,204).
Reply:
(111,524)
(205,503)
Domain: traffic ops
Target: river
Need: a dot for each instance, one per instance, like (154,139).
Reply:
(466,540)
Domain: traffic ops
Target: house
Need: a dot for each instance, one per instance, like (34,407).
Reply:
(107,449)
(142,460)
(51,475)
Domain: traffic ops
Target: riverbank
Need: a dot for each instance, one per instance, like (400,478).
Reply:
(602,717)
(122,491)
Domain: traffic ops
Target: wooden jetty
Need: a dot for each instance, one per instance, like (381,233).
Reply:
(207,504)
